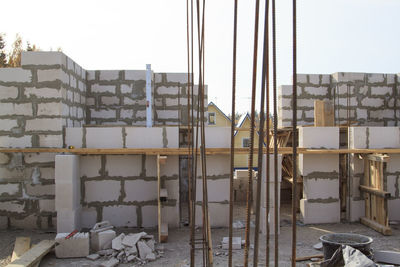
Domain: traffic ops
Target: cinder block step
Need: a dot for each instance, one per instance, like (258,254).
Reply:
(163,194)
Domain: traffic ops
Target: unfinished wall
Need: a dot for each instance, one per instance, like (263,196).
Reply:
(372,98)
(320,203)
(373,137)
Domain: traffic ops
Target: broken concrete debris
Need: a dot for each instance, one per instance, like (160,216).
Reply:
(236,243)
(101,236)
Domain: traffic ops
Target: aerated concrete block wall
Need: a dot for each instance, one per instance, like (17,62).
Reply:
(374,137)
(320,203)
(372,98)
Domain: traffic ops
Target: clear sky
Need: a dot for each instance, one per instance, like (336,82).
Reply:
(333,36)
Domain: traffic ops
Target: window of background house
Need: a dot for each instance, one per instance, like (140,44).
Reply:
(246,142)
(211,118)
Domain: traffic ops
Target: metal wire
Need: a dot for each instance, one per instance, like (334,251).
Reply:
(232,134)
(250,162)
(261,138)
(276,204)
(294,136)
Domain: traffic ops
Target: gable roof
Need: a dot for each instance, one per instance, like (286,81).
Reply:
(212,104)
(242,120)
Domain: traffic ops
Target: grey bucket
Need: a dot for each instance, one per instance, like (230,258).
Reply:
(331,242)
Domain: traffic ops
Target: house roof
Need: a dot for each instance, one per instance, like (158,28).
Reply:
(241,121)
(212,104)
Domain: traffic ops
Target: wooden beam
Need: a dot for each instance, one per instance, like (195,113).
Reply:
(22,245)
(32,256)
(385,230)
(323,113)
(306,258)
(376,192)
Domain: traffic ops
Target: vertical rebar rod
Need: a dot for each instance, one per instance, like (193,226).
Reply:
(294,136)
(250,161)
(261,137)
(233,123)
(276,204)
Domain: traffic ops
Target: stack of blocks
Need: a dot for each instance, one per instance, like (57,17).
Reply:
(320,203)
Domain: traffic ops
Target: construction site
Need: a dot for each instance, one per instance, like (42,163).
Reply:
(138,167)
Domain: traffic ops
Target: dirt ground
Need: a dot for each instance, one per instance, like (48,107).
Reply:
(176,251)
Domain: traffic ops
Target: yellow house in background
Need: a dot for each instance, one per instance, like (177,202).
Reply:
(216,117)
(242,139)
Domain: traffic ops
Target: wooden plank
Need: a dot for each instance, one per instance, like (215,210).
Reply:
(22,244)
(389,257)
(367,183)
(385,230)
(376,192)
(32,256)
(323,113)
(306,258)
(158,199)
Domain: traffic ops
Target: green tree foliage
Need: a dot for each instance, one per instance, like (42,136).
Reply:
(3,55)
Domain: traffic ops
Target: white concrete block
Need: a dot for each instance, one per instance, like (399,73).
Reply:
(88,217)
(271,220)
(301,78)
(384,137)
(43,125)
(375,77)
(42,58)
(103,113)
(358,137)
(40,189)
(76,246)
(73,137)
(96,88)
(172,187)
(319,137)
(170,168)
(120,216)
(15,75)
(310,163)
(170,214)
(102,191)
(140,190)
(16,109)
(356,209)
(124,165)
(67,169)
(68,220)
(12,206)
(149,216)
(348,76)
(217,165)
(49,75)
(394,207)
(9,189)
(49,109)
(155,137)
(177,77)
(51,141)
(271,168)
(109,100)
(39,157)
(135,75)
(320,188)
(218,190)
(8,92)
(313,212)
(381,90)
(317,91)
(394,163)
(98,137)
(168,90)
(219,215)
(109,75)
(101,240)
(4,158)
(218,137)
(7,124)
(90,166)
(47,205)
(126,88)
(372,102)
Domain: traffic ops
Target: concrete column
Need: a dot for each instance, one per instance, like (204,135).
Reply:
(68,193)
(320,203)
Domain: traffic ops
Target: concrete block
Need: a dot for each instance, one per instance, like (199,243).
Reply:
(393,207)
(314,164)
(320,188)
(109,100)
(236,243)
(271,221)
(356,210)
(149,216)
(170,168)
(140,190)
(219,214)
(67,169)
(263,195)
(316,91)
(348,76)
(39,157)
(120,216)
(49,75)
(358,137)
(15,175)
(317,212)
(177,77)
(109,75)
(271,168)
(155,137)
(384,137)
(151,166)
(15,75)
(319,137)
(73,137)
(29,222)
(3,222)
(42,58)
(394,163)
(47,205)
(124,165)
(218,190)
(167,90)
(101,240)
(391,184)
(8,92)
(102,191)
(170,214)
(75,247)
(135,75)
(218,137)
(4,158)
(49,109)
(10,189)
(51,141)
(96,88)
(103,113)
(381,90)
(68,220)
(167,114)
(372,102)
(172,187)
(88,217)
(98,137)
(43,125)
(90,166)
(40,190)
(7,109)
(68,196)
(217,165)
(126,88)
(7,124)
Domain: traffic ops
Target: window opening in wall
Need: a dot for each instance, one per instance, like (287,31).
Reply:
(211,118)
(245,142)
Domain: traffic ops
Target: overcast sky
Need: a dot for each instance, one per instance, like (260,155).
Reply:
(333,36)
